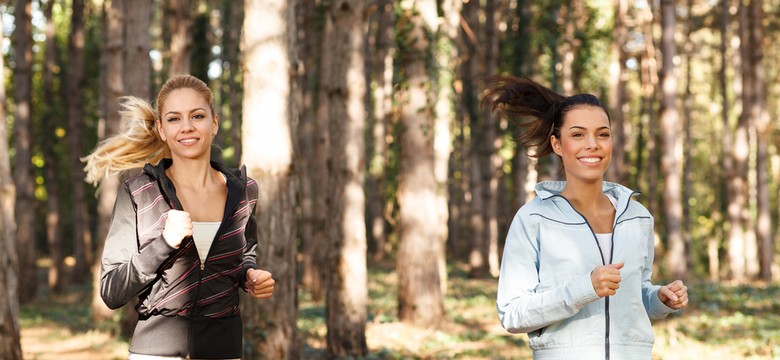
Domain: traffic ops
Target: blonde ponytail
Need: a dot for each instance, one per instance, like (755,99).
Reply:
(136,144)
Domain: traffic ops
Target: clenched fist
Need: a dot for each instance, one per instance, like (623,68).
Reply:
(259,283)
(177,227)
(606,279)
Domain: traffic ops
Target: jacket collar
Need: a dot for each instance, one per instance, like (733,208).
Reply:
(236,183)
(549,189)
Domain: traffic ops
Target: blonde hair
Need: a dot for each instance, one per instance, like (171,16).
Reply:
(138,141)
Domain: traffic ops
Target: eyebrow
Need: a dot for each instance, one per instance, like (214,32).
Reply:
(583,128)
(176,112)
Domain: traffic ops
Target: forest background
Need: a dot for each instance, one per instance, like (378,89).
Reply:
(386,189)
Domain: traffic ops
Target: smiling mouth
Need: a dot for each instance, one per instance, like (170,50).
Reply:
(590,160)
(188,141)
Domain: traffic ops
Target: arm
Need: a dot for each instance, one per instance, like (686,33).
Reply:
(126,272)
(522,307)
(249,260)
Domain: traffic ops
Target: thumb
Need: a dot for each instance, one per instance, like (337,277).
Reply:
(618,265)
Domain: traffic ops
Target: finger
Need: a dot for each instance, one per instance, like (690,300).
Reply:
(669,294)
(617,266)
(261,276)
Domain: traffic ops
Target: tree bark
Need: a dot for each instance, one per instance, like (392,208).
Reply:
(382,72)
(269,29)
(617,97)
(760,118)
(53,228)
(315,149)
(113,57)
(10,340)
(180,23)
(672,151)
(726,136)
(137,81)
(231,43)
(23,172)
(420,300)
(344,86)
(737,178)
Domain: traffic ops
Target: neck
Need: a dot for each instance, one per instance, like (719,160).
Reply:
(583,192)
(195,173)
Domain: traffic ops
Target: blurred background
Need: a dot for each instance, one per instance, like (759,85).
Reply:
(386,189)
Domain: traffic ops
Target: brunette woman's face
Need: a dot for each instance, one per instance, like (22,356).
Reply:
(585,144)
(186,124)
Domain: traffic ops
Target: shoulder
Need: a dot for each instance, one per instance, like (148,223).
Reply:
(139,182)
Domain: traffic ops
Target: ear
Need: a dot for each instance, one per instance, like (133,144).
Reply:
(216,125)
(158,125)
(556,145)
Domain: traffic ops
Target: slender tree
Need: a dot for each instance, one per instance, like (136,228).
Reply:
(420,299)
(672,151)
(53,228)
(179,20)
(760,119)
(23,172)
(268,155)
(344,86)
(113,58)
(617,96)
(10,341)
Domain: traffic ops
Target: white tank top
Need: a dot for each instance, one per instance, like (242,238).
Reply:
(203,233)
(605,240)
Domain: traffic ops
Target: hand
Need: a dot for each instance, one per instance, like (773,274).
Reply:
(606,279)
(674,295)
(178,226)
(259,283)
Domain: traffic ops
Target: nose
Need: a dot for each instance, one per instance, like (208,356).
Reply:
(186,125)
(592,143)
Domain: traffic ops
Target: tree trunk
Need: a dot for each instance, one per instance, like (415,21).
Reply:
(617,97)
(232,22)
(382,71)
(760,117)
(737,178)
(136,82)
(672,151)
(113,57)
(312,154)
(10,341)
(23,172)
(344,85)
(53,229)
(180,23)
(726,136)
(268,32)
(420,300)
(489,144)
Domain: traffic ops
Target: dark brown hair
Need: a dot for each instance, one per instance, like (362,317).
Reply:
(517,98)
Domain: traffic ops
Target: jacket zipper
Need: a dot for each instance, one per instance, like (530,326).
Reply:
(603,262)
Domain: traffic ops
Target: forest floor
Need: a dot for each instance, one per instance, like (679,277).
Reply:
(723,322)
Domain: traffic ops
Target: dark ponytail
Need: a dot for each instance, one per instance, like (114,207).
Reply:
(517,98)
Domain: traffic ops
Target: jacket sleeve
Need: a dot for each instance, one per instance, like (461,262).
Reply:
(249,260)
(126,272)
(522,307)
(653,305)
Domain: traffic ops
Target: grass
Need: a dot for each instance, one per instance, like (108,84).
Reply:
(723,322)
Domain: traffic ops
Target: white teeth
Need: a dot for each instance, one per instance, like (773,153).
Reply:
(188,141)
(590,160)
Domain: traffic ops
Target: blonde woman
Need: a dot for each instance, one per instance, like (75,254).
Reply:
(577,265)
(183,235)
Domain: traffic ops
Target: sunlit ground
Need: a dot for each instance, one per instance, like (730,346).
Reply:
(724,322)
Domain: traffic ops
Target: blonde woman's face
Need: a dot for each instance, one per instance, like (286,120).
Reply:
(187,125)
(585,145)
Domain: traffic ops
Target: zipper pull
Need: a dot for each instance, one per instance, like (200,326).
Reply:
(202,266)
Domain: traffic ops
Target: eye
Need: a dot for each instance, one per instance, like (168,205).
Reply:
(199,116)
(605,135)
(172,119)
(577,135)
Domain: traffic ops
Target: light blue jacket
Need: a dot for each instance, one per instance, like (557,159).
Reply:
(545,289)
